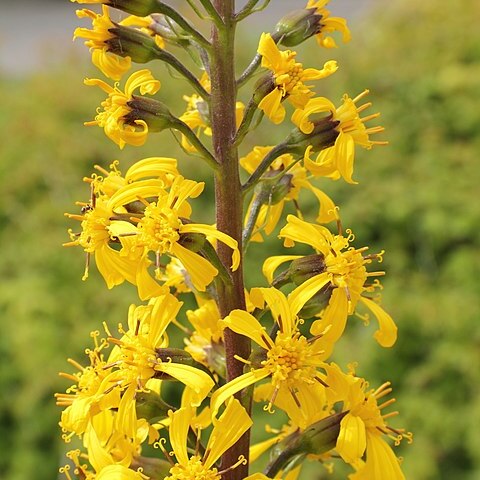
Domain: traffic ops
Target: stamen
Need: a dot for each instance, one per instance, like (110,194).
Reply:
(241,461)
(75,364)
(168,456)
(361,95)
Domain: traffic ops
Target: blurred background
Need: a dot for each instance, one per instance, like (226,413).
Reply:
(416,198)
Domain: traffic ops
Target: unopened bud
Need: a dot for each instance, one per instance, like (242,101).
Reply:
(297,26)
(273,192)
(323,136)
(154,113)
(169,30)
(149,405)
(131,42)
(151,467)
(300,270)
(318,438)
(263,87)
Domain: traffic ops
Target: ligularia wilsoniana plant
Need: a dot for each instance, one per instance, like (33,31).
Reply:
(248,354)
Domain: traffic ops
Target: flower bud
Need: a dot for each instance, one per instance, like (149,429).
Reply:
(131,42)
(300,270)
(149,405)
(263,87)
(169,30)
(273,192)
(297,26)
(323,135)
(140,8)
(317,439)
(154,113)
(151,467)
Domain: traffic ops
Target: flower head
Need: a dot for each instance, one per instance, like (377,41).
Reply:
(337,161)
(328,25)
(289,360)
(337,270)
(121,119)
(228,428)
(288,77)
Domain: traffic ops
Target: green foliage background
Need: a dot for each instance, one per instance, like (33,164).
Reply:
(416,199)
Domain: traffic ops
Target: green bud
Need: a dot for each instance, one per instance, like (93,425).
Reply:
(175,355)
(263,87)
(318,438)
(154,113)
(141,8)
(192,241)
(297,26)
(151,467)
(131,42)
(300,270)
(323,136)
(149,405)
(272,192)
(170,31)
(317,303)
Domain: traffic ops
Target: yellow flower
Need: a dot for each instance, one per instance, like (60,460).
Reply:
(328,25)
(288,78)
(161,229)
(337,160)
(111,65)
(341,270)
(289,360)
(138,355)
(231,425)
(116,107)
(91,393)
(296,179)
(364,426)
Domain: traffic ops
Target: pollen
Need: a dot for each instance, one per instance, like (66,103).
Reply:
(193,470)
(290,360)
(159,228)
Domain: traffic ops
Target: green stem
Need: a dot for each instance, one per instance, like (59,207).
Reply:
(178,18)
(171,60)
(246,122)
(249,8)
(212,11)
(256,205)
(278,150)
(182,127)
(211,254)
(228,205)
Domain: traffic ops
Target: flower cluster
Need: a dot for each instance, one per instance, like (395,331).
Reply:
(273,345)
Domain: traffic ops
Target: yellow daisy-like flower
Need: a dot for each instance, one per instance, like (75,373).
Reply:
(328,25)
(290,360)
(137,356)
(116,107)
(111,65)
(91,393)
(288,78)
(337,161)
(162,229)
(364,427)
(341,270)
(227,430)
(296,178)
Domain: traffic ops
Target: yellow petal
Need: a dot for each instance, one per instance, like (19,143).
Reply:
(352,439)
(271,264)
(386,335)
(151,167)
(381,461)
(272,106)
(303,293)
(178,432)
(201,271)
(213,232)
(234,386)
(231,425)
(279,306)
(245,324)
(199,381)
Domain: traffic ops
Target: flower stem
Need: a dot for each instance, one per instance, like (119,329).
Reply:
(228,204)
